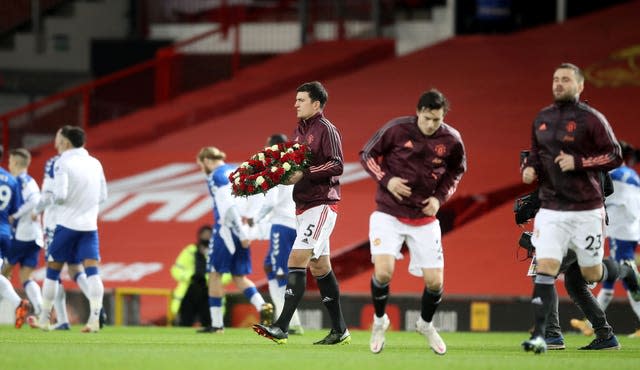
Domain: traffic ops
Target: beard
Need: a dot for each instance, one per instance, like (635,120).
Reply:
(564,97)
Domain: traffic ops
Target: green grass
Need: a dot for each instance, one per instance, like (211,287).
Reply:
(137,348)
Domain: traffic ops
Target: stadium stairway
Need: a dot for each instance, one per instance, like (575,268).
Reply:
(496,84)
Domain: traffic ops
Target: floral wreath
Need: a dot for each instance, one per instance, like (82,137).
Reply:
(268,168)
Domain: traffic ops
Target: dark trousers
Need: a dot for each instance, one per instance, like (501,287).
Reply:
(581,295)
(195,305)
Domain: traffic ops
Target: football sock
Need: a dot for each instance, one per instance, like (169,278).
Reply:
(215,309)
(605,296)
(543,298)
(7,291)
(277,296)
(628,277)
(81,280)
(296,285)
(295,319)
(32,289)
(251,293)
(60,305)
(330,293)
(380,295)
(49,291)
(430,302)
(634,305)
(96,294)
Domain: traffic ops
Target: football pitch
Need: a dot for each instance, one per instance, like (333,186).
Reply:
(125,348)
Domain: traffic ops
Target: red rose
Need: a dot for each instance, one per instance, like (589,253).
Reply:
(297,158)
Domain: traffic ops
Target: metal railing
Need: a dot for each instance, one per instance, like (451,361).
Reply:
(185,65)
(143,85)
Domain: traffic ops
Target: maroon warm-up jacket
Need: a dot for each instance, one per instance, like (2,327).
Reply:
(433,164)
(581,131)
(320,183)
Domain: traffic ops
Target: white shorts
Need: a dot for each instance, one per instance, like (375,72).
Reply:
(314,227)
(387,235)
(555,232)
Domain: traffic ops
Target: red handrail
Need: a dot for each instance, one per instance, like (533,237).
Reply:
(164,78)
(85,87)
(196,38)
(164,89)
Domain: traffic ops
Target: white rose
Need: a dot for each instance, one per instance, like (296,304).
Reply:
(290,150)
(274,168)
(286,166)
(245,164)
(261,156)
(282,153)
(296,146)
(274,147)
(259,180)
(237,181)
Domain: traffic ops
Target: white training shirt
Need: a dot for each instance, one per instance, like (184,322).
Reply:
(49,216)
(279,202)
(623,206)
(249,208)
(79,188)
(225,206)
(27,229)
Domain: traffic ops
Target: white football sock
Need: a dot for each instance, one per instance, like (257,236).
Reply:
(634,305)
(32,289)
(257,301)
(216,316)
(60,305)
(295,319)
(49,291)
(96,294)
(81,280)
(7,291)
(277,296)
(605,296)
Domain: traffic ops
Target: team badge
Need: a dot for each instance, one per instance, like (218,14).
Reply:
(571,126)
(376,242)
(440,149)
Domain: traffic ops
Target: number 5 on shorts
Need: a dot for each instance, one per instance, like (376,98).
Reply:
(309,230)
